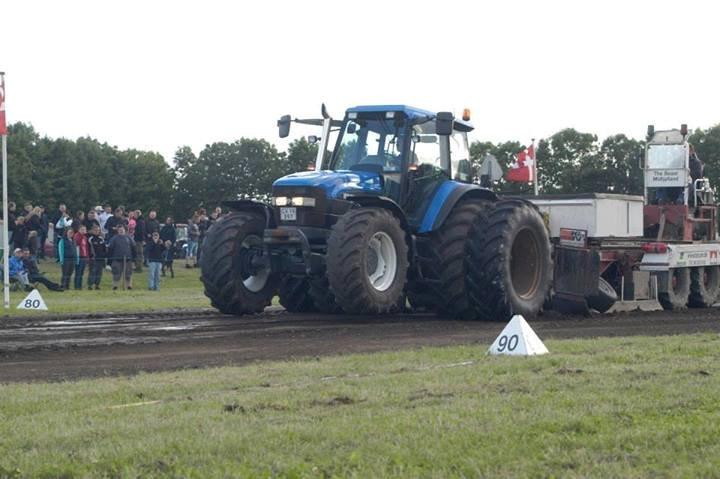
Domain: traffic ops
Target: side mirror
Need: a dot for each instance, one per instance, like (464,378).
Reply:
(444,121)
(650,132)
(312,139)
(284,126)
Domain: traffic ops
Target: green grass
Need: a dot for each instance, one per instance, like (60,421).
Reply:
(183,291)
(621,407)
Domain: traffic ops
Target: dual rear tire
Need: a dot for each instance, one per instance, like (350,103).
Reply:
(697,287)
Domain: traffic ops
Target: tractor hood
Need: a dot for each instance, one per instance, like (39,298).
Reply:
(335,183)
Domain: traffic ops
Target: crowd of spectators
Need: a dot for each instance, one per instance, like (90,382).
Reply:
(86,244)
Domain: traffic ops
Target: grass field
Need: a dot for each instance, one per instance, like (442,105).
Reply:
(621,407)
(183,291)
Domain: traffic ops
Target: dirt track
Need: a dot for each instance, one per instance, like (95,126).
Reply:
(67,348)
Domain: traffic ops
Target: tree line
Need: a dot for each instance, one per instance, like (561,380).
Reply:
(86,172)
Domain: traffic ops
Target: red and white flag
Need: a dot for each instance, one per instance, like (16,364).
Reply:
(523,169)
(3,125)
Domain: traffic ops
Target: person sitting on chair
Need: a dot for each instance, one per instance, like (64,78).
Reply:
(17,270)
(34,274)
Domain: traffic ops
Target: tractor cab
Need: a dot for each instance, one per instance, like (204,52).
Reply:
(679,201)
(397,152)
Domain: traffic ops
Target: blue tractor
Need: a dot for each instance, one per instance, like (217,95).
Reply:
(389,217)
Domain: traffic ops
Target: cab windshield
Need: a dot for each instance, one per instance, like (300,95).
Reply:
(666,156)
(376,142)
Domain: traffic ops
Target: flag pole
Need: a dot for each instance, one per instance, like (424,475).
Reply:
(535,170)
(5,245)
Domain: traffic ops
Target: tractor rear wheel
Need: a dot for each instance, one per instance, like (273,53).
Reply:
(448,248)
(509,264)
(236,279)
(704,286)
(367,261)
(295,296)
(677,292)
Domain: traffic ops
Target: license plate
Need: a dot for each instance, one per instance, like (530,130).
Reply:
(288,214)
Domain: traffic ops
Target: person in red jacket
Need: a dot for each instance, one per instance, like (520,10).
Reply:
(83,249)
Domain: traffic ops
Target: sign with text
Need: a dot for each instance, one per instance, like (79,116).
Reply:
(663,178)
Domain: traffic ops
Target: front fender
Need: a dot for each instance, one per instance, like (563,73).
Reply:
(254,206)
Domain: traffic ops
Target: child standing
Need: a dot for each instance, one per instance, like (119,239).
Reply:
(67,254)
(98,257)
(83,248)
(168,257)
(156,250)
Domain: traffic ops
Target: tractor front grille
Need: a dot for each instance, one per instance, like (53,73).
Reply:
(306,215)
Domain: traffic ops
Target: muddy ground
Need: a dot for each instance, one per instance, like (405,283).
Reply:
(62,348)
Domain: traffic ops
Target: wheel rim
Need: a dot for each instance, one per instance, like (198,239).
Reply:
(252,282)
(525,264)
(381,261)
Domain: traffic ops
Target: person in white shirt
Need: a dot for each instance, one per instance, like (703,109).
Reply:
(102,216)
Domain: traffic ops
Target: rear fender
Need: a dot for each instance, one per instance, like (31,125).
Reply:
(444,200)
(255,207)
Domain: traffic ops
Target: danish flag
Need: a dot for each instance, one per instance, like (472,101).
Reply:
(3,125)
(523,169)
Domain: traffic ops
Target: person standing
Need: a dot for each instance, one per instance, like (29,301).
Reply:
(169,237)
(83,249)
(156,253)
(68,256)
(20,235)
(114,222)
(32,221)
(44,228)
(193,234)
(203,226)
(11,220)
(103,215)
(152,225)
(121,249)
(98,257)
(78,220)
(91,220)
(139,237)
(58,232)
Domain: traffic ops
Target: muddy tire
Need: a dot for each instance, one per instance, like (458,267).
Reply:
(677,293)
(604,299)
(295,296)
(704,286)
(323,299)
(232,286)
(448,247)
(367,261)
(509,264)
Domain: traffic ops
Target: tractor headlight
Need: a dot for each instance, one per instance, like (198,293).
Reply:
(293,201)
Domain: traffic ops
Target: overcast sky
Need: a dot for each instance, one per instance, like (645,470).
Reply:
(158,74)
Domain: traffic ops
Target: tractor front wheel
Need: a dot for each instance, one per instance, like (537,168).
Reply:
(367,261)
(236,278)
